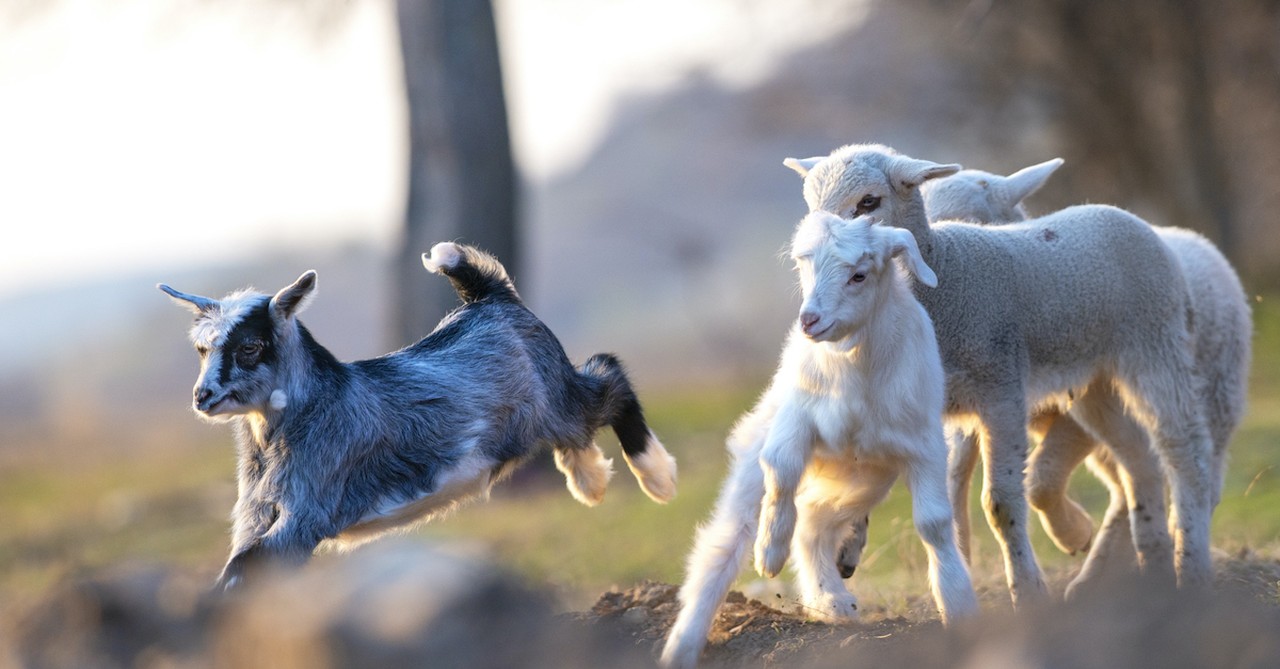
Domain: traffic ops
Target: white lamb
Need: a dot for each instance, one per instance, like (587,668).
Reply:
(856,401)
(1222,341)
(1086,303)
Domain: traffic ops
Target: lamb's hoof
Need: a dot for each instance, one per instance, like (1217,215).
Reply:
(770,557)
(1070,527)
(443,257)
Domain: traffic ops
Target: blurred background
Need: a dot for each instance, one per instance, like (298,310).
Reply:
(625,159)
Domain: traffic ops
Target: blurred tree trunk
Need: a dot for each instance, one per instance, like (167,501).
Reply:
(1131,87)
(461,174)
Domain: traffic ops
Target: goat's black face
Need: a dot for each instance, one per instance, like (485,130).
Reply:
(238,361)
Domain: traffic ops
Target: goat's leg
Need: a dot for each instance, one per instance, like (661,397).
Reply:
(1004,450)
(718,553)
(783,459)
(289,542)
(931,510)
(1065,445)
(829,499)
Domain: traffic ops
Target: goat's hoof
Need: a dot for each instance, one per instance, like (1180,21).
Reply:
(770,557)
(831,607)
(443,257)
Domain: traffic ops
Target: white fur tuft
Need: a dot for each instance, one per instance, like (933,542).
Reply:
(279,400)
(587,472)
(656,471)
(444,255)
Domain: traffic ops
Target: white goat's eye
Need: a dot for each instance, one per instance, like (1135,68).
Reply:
(858,277)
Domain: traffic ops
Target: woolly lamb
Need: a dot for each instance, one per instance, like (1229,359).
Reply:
(856,401)
(1222,334)
(1086,303)
(347,451)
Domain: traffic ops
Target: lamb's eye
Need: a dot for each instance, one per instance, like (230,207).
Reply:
(858,277)
(867,205)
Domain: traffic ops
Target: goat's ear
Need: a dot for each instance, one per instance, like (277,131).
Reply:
(903,243)
(907,173)
(197,304)
(293,298)
(1021,184)
(802,165)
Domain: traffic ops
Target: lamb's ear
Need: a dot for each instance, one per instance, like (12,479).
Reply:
(1021,184)
(903,243)
(198,305)
(802,165)
(907,173)
(293,298)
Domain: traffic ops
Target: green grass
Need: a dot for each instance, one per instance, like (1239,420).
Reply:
(61,517)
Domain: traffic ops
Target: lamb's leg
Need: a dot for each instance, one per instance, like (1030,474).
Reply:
(948,576)
(1162,391)
(783,459)
(961,461)
(1112,552)
(1065,445)
(719,550)
(1141,479)
(1004,450)
(828,502)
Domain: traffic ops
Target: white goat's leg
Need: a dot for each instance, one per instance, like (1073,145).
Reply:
(1065,445)
(961,461)
(719,550)
(828,501)
(783,459)
(1004,450)
(931,510)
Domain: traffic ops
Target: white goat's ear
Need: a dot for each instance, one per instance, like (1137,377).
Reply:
(293,298)
(197,304)
(903,243)
(1021,184)
(802,165)
(907,173)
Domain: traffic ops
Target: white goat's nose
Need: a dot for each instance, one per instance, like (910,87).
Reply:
(808,319)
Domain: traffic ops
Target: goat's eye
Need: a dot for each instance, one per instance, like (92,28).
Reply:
(867,204)
(858,277)
(249,351)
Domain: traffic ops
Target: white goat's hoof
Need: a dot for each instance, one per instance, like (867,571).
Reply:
(443,256)
(832,607)
(771,556)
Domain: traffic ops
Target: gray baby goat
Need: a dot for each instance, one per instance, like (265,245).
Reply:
(346,451)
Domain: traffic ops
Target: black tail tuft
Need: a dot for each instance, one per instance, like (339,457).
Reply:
(476,275)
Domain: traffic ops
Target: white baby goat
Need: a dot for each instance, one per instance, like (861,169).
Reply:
(856,401)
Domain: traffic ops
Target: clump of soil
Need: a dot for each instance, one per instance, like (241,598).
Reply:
(746,632)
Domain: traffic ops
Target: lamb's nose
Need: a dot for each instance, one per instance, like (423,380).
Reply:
(808,319)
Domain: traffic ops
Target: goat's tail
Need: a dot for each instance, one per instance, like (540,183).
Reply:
(473,273)
(652,465)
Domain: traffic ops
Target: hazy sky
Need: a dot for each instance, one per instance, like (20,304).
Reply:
(137,133)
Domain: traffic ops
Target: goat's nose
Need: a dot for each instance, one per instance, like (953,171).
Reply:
(202,394)
(808,319)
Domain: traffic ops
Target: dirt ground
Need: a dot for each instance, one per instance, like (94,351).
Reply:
(1124,623)
(403,605)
